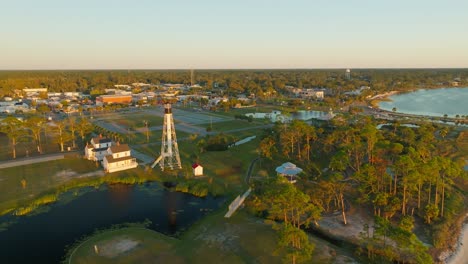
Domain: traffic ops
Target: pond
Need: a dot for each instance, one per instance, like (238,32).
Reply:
(42,237)
(433,102)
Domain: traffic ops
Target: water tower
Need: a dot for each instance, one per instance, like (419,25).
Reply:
(348,74)
(169,157)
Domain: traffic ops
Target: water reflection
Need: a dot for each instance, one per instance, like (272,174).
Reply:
(120,197)
(44,236)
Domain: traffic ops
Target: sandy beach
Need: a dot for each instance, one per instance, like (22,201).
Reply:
(460,256)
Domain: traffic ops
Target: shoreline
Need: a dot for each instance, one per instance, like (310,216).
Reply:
(460,254)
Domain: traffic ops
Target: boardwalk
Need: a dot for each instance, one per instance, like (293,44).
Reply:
(236,203)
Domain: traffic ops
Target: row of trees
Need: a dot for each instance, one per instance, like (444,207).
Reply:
(37,131)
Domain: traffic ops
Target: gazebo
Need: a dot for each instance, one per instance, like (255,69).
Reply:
(289,170)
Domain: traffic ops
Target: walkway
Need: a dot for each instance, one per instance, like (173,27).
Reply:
(31,160)
(143,157)
(240,199)
(236,203)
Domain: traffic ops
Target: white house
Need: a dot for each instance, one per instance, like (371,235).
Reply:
(97,149)
(197,169)
(118,158)
(308,93)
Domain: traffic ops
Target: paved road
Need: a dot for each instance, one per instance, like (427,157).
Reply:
(146,159)
(31,160)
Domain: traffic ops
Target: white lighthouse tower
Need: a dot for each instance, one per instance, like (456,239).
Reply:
(169,157)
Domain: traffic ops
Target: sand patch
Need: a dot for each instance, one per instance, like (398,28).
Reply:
(68,174)
(117,247)
(65,174)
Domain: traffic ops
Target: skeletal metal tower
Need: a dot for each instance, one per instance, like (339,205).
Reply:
(170,157)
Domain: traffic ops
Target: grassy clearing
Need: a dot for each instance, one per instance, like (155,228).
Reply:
(39,177)
(232,124)
(225,167)
(240,239)
(137,120)
(215,239)
(152,247)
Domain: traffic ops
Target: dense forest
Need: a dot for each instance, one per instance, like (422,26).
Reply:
(234,81)
(405,177)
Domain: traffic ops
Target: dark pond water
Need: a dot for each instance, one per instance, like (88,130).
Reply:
(41,238)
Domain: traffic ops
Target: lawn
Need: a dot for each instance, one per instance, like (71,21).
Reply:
(242,238)
(137,120)
(214,239)
(233,124)
(39,178)
(228,167)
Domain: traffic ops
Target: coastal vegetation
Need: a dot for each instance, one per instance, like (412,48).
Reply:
(401,175)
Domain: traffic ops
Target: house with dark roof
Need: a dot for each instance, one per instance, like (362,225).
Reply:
(97,148)
(118,158)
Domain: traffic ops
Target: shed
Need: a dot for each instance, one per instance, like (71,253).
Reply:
(197,169)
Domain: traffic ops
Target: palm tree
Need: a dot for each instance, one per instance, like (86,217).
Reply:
(14,130)
(36,124)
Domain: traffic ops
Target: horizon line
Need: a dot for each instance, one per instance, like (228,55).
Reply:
(224,69)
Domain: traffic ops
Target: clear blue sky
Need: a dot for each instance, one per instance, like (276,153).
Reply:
(170,34)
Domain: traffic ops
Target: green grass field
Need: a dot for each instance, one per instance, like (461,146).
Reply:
(39,178)
(214,239)
(137,120)
(232,125)
(228,167)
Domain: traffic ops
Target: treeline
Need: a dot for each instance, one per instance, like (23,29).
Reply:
(401,174)
(263,83)
(36,131)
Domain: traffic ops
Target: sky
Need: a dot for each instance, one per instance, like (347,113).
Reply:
(234,34)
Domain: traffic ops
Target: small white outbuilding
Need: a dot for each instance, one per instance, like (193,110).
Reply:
(197,169)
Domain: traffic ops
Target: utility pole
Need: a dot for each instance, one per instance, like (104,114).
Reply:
(147,130)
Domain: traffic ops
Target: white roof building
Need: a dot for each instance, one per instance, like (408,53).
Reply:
(289,170)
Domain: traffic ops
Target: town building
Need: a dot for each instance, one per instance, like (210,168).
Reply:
(312,93)
(118,158)
(113,99)
(34,91)
(197,169)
